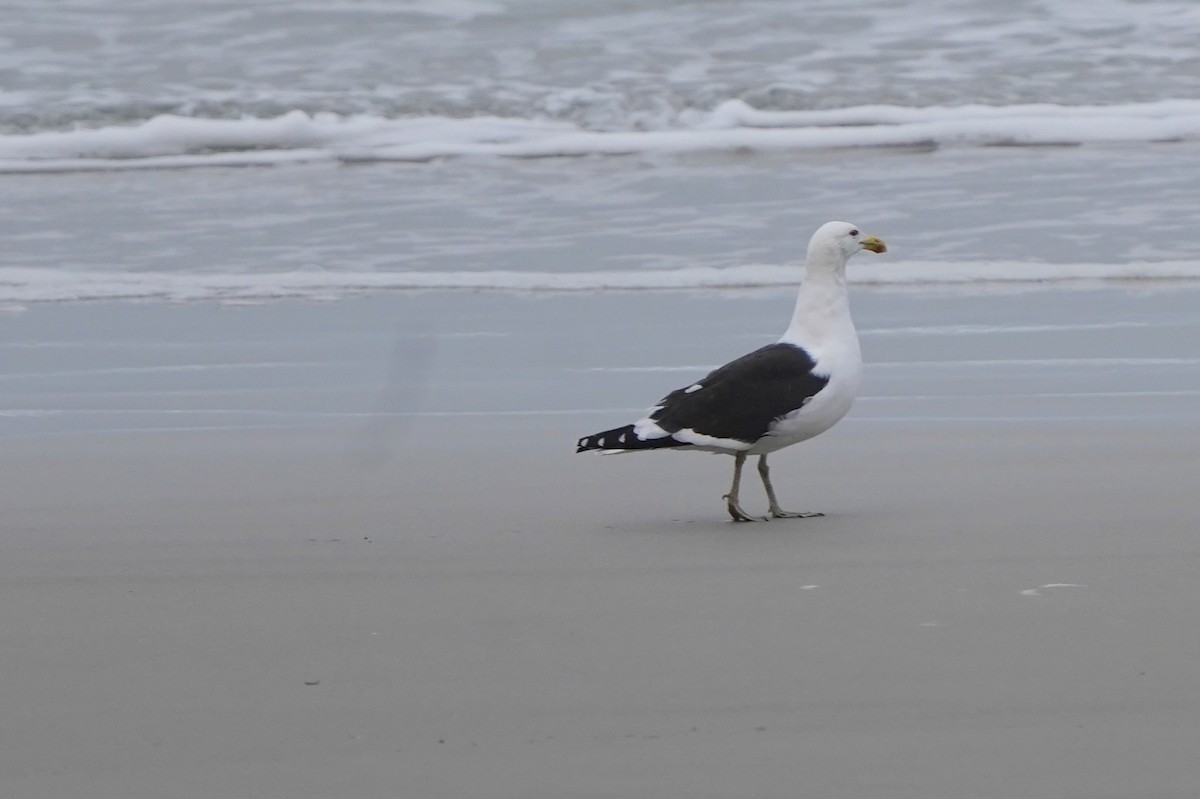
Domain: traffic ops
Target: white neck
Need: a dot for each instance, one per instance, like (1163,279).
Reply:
(822,305)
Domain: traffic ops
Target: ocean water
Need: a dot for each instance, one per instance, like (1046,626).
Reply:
(365,174)
(255,150)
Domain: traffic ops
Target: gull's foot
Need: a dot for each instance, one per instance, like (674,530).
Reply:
(738,514)
(779,513)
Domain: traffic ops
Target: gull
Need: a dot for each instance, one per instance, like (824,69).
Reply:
(776,396)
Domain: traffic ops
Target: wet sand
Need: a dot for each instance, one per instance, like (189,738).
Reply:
(994,606)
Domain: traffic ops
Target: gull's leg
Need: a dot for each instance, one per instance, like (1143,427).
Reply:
(764,472)
(731,499)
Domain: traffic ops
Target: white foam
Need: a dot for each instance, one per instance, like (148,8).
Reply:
(27,285)
(1037,591)
(172,141)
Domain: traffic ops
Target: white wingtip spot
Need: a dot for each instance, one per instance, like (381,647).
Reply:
(693,387)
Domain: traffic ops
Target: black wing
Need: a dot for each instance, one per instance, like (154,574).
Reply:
(741,399)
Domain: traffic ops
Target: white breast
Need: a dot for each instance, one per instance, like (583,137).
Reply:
(841,359)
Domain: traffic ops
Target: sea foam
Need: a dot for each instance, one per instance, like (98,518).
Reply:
(27,285)
(173,141)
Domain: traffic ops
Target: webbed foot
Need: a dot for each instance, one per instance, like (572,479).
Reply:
(737,513)
(779,513)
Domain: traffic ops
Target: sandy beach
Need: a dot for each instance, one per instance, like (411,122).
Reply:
(455,605)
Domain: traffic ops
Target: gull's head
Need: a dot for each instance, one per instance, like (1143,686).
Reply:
(840,240)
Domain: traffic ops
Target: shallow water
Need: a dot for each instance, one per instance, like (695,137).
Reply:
(444,363)
(395,151)
(325,231)
(423,144)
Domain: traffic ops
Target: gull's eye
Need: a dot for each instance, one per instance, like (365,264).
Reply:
(853,232)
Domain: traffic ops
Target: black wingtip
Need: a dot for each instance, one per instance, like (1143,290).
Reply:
(623,438)
(588,443)
(609,439)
